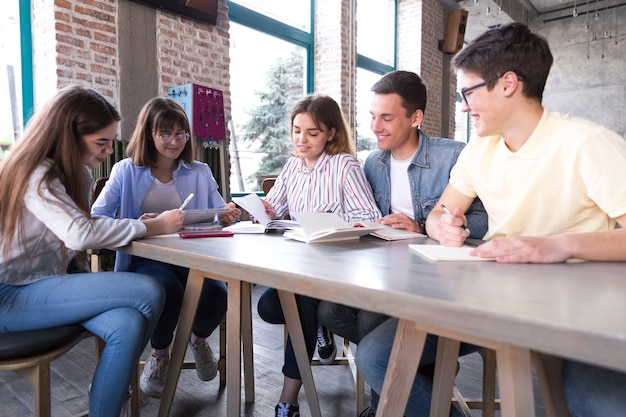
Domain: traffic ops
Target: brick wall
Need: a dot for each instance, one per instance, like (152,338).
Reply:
(423,20)
(193,51)
(97,43)
(75,42)
(335,54)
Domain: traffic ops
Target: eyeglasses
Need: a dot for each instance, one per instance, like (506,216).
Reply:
(464,91)
(168,137)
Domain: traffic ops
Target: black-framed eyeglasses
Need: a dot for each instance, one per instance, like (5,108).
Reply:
(464,91)
(168,137)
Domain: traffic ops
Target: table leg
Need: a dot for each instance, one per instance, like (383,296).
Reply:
(195,280)
(233,349)
(246,337)
(408,345)
(443,380)
(515,382)
(292,318)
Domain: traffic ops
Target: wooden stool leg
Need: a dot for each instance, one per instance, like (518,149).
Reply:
(489,382)
(221,363)
(134,393)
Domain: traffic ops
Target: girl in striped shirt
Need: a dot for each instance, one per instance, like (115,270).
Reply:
(323,175)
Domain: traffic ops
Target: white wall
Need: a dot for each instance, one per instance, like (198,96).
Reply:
(594,87)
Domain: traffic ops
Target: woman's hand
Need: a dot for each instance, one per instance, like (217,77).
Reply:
(148,216)
(170,221)
(269,210)
(232,214)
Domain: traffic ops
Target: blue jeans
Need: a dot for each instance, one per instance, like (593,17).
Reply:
(348,322)
(121,308)
(271,311)
(372,357)
(591,391)
(211,306)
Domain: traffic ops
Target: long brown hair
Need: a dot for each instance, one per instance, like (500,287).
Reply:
(158,114)
(324,109)
(54,133)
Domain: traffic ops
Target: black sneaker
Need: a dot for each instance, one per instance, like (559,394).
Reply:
(368,412)
(326,348)
(287,410)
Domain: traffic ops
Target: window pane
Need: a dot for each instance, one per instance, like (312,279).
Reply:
(296,13)
(265,83)
(375,30)
(10,76)
(365,139)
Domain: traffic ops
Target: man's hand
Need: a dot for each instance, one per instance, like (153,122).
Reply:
(451,228)
(401,221)
(525,249)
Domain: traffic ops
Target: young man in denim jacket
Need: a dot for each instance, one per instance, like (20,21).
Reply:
(419,167)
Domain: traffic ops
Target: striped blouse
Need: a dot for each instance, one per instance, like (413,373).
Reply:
(335,183)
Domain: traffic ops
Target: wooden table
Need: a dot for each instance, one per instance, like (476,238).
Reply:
(571,310)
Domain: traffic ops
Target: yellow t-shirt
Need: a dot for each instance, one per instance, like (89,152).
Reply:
(568,177)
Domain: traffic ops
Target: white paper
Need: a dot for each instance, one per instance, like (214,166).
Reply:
(253,205)
(446,253)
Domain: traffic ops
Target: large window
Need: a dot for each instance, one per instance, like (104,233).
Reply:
(375,57)
(10,76)
(271,66)
(270,61)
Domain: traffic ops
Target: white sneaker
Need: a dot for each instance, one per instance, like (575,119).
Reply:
(153,376)
(206,365)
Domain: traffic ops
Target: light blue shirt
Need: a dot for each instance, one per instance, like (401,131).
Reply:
(428,173)
(128,185)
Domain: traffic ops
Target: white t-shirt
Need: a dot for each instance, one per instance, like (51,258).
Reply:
(401,201)
(161,197)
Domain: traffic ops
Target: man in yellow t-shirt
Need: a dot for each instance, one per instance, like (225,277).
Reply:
(551,184)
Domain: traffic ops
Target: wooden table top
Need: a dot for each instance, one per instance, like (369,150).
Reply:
(574,310)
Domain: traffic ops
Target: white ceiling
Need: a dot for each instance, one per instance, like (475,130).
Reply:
(484,14)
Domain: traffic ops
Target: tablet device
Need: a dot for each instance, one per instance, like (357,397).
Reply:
(204,215)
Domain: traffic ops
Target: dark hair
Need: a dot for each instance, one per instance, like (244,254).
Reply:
(324,110)
(511,47)
(158,114)
(55,133)
(408,85)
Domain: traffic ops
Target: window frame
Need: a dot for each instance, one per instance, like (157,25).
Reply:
(26,52)
(270,26)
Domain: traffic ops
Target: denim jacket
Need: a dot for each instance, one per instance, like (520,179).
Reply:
(429,173)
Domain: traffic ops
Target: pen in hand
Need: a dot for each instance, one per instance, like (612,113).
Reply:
(450,213)
(187,200)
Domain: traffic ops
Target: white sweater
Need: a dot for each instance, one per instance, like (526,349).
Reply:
(48,227)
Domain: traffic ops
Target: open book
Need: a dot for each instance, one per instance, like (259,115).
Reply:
(327,227)
(447,253)
(253,205)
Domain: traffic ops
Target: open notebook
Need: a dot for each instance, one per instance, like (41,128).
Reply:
(327,227)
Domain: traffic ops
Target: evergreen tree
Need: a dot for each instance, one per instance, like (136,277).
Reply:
(269,121)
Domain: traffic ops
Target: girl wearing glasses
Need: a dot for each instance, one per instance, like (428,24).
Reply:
(158,175)
(45,223)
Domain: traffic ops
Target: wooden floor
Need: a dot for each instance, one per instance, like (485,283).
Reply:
(72,373)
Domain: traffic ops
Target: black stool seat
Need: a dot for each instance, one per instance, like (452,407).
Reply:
(21,344)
